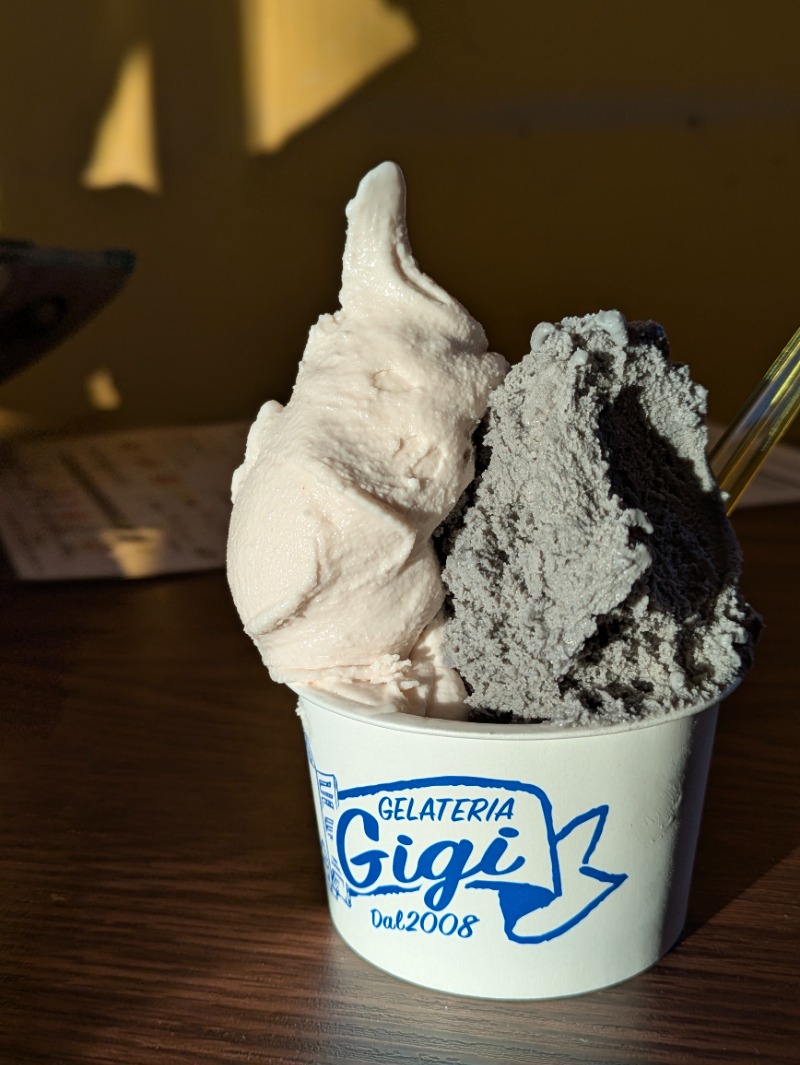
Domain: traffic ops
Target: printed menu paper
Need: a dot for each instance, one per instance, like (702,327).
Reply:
(121,504)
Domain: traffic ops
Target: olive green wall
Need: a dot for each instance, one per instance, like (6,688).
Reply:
(561,157)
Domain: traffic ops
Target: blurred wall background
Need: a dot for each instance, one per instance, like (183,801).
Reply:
(561,157)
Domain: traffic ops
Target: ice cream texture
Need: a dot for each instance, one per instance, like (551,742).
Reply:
(330,557)
(592,573)
(587,574)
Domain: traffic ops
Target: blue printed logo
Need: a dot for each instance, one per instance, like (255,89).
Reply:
(435,842)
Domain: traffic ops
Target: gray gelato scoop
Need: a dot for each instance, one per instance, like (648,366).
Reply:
(591,573)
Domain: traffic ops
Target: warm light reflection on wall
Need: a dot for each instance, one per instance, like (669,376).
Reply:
(124,151)
(302,57)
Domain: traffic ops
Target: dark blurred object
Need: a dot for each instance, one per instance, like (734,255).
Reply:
(48,293)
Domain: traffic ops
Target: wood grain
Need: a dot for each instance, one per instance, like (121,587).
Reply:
(161,897)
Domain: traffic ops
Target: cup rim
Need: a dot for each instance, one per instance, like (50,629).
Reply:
(390,717)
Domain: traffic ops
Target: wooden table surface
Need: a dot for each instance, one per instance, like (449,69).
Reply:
(161,892)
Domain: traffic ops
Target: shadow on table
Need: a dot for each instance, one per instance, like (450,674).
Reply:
(751,820)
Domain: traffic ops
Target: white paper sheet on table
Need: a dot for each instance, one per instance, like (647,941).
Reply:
(121,504)
(152,501)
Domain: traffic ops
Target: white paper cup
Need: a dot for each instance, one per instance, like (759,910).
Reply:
(506,861)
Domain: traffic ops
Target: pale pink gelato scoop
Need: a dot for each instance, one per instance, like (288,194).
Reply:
(330,559)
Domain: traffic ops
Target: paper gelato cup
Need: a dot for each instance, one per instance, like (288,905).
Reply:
(516,861)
